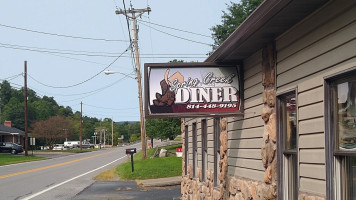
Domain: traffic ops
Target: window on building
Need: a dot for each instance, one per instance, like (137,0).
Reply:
(287,151)
(186,148)
(195,149)
(204,158)
(340,121)
(216,151)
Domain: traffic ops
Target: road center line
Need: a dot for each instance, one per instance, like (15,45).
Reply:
(50,166)
(50,188)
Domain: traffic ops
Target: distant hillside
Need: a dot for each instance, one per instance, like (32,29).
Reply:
(129,122)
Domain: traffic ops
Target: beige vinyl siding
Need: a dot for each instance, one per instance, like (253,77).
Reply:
(199,143)
(324,43)
(210,136)
(245,133)
(190,143)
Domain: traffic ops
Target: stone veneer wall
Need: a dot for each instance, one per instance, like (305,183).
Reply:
(230,187)
(233,187)
(196,188)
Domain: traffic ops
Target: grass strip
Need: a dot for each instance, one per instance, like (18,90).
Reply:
(151,168)
(6,159)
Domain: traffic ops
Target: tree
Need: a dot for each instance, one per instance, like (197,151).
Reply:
(5,92)
(14,112)
(237,13)
(133,138)
(53,130)
(162,128)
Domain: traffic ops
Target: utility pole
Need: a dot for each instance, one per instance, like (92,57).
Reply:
(135,13)
(112,132)
(25,94)
(104,138)
(81,124)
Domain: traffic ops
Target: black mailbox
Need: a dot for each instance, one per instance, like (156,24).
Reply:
(131,151)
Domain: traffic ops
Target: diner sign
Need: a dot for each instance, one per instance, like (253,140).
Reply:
(191,89)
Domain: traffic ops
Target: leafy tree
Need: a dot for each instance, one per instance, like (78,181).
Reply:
(237,13)
(162,128)
(176,61)
(123,131)
(5,92)
(65,111)
(53,130)
(44,108)
(14,112)
(133,138)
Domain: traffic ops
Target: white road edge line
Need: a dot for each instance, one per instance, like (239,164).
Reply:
(51,188)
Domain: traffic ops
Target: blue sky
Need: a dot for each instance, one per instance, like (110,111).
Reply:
(68,43)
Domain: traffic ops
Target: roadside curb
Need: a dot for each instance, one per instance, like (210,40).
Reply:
(160,182)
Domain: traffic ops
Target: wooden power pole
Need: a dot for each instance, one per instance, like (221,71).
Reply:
(25,95)
(134,14)
(81,125)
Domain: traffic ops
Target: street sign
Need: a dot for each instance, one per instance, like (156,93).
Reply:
(32,141)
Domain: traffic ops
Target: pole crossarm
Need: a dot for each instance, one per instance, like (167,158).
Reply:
(133,11)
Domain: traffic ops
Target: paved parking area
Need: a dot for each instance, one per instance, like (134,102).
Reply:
(122,190)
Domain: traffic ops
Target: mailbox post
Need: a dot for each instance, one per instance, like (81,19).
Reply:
(131,151)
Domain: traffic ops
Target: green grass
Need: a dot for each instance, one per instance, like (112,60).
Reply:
(151,168)
(7,159)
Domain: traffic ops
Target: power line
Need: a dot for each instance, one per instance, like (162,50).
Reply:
(128,29)
(61,35)
(110,108)
(78,94)
(178,36)
(53,51)
(90,54)
(96,91)
(69,86)
(176,29)
(12,77)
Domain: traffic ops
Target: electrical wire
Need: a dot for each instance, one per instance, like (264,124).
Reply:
(12,77)
(178,36)
(128,29)
(71,95)
(111,108)
(76,52)
(150,34)
(91,55)
(53,51)
(96,91)
(176,29)
(61,35)
(69,86)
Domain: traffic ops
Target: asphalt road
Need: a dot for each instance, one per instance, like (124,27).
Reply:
(58,178)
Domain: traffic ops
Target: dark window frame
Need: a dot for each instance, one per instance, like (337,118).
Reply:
(217,145)
(186,149)
(282,152)
(204,154)
(330,149)
(195,149)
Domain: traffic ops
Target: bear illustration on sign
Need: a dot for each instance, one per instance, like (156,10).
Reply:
(167,97)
